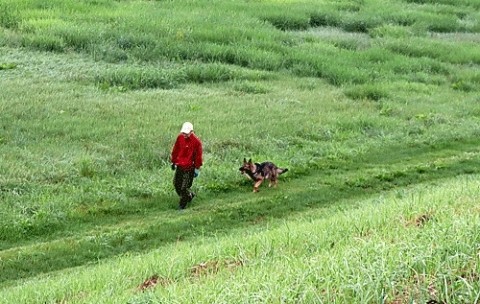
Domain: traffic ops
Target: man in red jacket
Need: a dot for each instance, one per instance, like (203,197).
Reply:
(186,161)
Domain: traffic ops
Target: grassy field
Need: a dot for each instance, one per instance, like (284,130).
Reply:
(374,106)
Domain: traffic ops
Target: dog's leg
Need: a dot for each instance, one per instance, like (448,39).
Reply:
(273,183)
(256,185)
(273,180)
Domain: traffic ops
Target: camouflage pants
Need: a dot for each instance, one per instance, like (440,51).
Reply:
(182,181)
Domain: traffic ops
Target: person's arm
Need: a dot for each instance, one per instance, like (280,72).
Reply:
(199,155)
(175,150)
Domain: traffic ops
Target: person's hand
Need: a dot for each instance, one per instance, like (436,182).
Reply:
(174,167)
(196,173)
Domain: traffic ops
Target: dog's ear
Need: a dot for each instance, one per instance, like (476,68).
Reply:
(244,160)
(250,161)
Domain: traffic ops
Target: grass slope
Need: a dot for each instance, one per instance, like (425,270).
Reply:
(150,225)
(413,244)
(373,106)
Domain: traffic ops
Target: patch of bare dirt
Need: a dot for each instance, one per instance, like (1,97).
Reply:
(154,281)
(420,220)
(212,267)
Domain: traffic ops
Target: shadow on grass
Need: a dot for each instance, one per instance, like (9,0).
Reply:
(233,210)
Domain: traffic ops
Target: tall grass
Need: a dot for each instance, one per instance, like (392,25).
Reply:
(234,33)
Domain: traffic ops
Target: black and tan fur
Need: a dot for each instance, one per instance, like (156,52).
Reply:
(258,172)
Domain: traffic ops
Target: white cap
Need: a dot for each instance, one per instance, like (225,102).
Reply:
(187,127)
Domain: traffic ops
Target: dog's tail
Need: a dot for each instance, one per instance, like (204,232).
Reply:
(282,170)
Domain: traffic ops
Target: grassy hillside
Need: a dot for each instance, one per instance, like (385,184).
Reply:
(373,106)
(408,245)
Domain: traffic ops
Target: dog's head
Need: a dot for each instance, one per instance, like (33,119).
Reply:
(248,166)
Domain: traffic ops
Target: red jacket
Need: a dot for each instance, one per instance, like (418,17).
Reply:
(187,152)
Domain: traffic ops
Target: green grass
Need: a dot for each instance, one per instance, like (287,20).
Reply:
(402,245)
(372,105)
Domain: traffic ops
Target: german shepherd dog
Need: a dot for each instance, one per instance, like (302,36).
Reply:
(260,172)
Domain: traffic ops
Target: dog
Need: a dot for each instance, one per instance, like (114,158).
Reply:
(260,172)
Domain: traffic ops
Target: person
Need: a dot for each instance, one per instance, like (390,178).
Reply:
(186,161)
